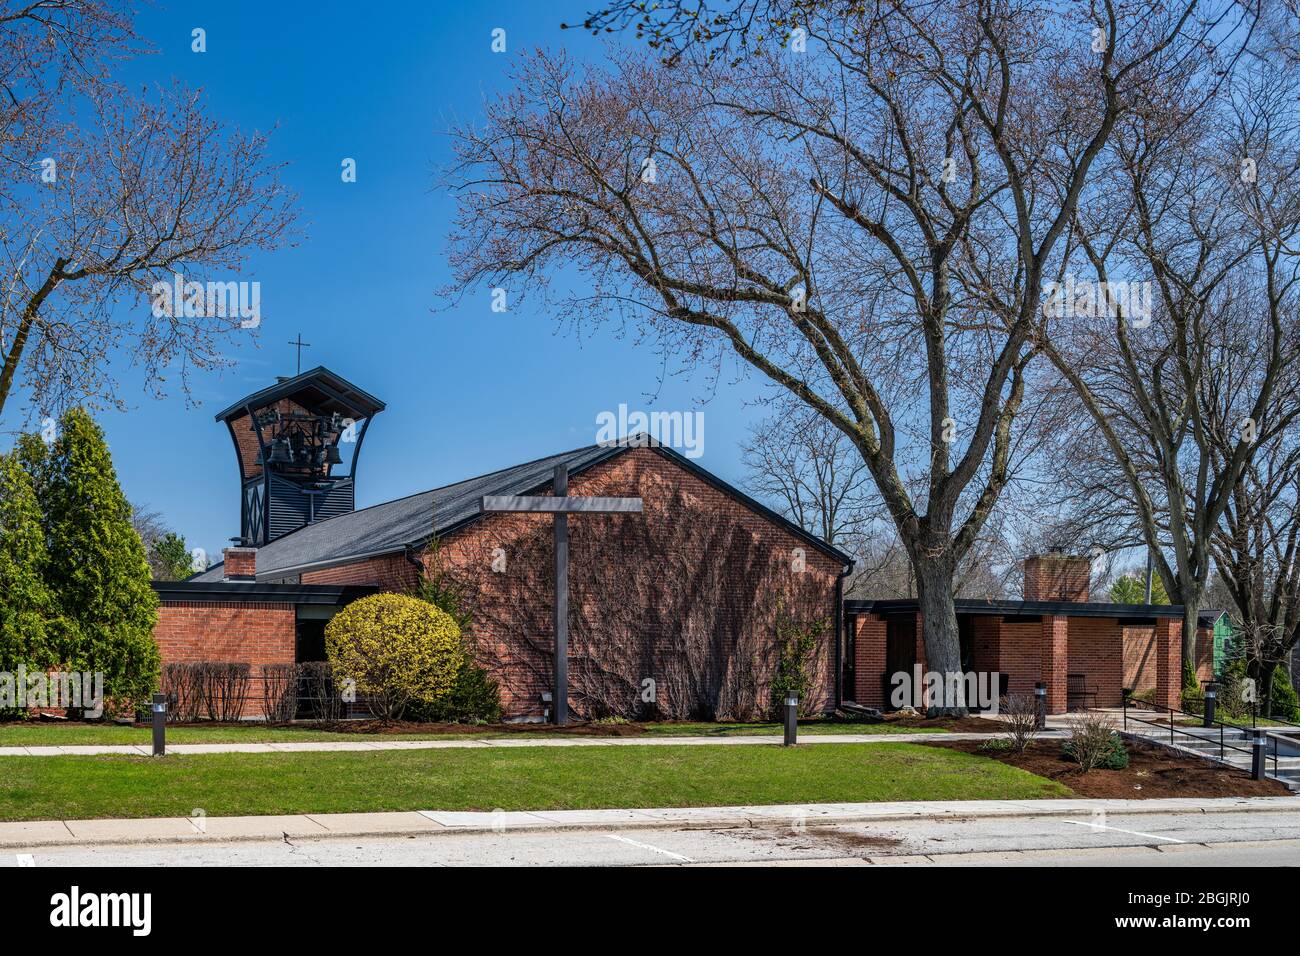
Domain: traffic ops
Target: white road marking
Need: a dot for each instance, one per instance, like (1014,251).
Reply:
(1102,826)
(647,846)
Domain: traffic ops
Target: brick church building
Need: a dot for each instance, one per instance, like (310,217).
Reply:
(673,611)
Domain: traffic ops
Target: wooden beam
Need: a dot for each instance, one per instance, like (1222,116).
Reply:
(561,505)
(561,691)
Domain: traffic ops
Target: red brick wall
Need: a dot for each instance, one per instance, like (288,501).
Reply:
(1112,656)
(1020,654)
(1011,648)
(1204,654)
(1140,658)
(1057,577)
(392,572)
(869,661)
(1054,660)
(695,610)
(239,564)
(1099,651)
(1168,640)
(245,446)
(255,633)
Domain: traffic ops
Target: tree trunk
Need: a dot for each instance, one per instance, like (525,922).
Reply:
(15,353)
(1266,694)
(13,357)
(1191,615)
(934,580)
(1261,673)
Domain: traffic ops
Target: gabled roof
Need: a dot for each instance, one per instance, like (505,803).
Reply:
(410,522)
(319,389)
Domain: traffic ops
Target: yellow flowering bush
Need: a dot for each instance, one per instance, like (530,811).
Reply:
(397,649)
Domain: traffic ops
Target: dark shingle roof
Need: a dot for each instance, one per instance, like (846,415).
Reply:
(394,525)
(317,388)
(412,521)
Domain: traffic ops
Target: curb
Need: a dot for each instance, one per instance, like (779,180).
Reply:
(1013,857)
(720,822)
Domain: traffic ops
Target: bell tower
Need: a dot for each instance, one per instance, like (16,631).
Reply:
(297,443)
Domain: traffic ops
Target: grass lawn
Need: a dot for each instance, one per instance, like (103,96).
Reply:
(38,734)
(526,778)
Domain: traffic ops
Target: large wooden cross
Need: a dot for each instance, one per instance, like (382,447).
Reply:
(561,505)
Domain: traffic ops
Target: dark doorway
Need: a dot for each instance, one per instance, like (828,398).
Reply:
(310,640)
(310,648)
(966,641)
(900,652)
(848,659)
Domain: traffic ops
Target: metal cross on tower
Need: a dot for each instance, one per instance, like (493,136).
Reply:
(561,505)
(301,345)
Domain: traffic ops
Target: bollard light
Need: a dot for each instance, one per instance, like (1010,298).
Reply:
(1211,696)
(1040,705)
(159,725)
(1257,756)
(791,719)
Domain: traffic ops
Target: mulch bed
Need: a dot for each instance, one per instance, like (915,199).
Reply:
(1152,772)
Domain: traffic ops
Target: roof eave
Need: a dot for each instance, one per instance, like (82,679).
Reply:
(271,394)
(1031,608)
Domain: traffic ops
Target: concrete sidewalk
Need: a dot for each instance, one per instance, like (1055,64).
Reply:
(523,740)
(181,830)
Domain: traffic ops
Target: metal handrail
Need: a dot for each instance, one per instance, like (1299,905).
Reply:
(1223,745)
(1128,698)
(1255,714)
(1255,717)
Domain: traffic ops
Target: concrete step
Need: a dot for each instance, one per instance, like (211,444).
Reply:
(1286,769)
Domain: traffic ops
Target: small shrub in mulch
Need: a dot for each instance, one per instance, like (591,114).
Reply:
(1094,743)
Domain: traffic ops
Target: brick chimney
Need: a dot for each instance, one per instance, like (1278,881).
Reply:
(240,564)
(1057,577)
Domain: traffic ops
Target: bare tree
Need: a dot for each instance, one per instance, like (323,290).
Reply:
(821,216)
(51,50)
(109,194)
(1257,552)
(804,467)
(1207,204)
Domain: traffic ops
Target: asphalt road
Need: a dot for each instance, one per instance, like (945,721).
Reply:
(1233,839)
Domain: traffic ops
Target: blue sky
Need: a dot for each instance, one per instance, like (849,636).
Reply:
(468,390)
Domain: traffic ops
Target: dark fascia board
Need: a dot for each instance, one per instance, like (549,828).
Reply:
(1034,608)
(364,401)
(238,592)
